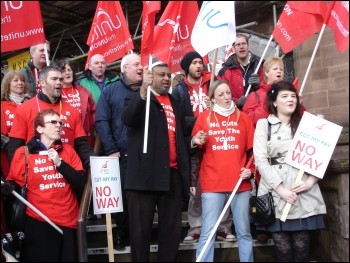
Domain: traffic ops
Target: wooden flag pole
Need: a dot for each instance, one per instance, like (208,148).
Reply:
(109,237)
(288,205)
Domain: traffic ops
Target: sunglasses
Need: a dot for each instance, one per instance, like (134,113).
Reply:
(54,122)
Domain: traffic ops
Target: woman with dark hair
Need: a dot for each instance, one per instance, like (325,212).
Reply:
(78,97)
(55,175)
(292,237)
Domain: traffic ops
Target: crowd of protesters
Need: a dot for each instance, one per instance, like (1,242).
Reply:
(201,136)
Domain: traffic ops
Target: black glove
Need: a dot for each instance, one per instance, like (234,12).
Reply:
(254,79)
(7,187)
(240,102)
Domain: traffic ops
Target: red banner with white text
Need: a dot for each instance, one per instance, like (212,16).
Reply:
(172,35)
(109,34)
(150,8)
(21,25)
(299,21)
(339,23)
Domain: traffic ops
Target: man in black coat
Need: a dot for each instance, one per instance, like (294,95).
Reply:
(156,179)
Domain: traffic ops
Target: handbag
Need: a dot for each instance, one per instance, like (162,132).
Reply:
(262,208)
(18,208)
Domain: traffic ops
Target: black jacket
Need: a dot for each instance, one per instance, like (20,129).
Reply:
(150,171)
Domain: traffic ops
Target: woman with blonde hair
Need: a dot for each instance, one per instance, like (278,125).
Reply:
(220,163)
(13,93)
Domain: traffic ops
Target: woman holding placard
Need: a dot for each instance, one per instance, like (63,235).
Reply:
(292,237)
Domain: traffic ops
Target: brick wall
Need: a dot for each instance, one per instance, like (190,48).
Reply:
(326,90)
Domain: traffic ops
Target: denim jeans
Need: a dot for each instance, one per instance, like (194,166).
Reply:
(212,206)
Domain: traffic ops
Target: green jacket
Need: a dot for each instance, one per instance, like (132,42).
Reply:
(88,81)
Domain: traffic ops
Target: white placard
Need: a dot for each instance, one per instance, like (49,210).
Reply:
(106,185)
(313,144)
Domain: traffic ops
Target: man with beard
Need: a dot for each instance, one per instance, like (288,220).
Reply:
(113,133)
(239,68)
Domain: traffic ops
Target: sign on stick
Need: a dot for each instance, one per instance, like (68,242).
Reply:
(106,185)
(313,144)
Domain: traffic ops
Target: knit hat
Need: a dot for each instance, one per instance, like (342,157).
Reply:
(187,60)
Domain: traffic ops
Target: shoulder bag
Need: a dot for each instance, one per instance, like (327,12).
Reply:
(262,208)
(18,208)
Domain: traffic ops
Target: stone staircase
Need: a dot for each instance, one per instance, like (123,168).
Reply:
(224,252)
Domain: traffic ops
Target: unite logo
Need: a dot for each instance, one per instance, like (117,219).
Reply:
(104,22)
(176,30)
(104,168)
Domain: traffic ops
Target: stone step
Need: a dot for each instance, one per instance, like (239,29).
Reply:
(225,251)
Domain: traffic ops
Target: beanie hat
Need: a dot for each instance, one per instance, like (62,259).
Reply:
(187,60)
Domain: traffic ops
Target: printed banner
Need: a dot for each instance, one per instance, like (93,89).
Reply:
(109,34)
(298,22)
(313,144)
(172,35)
(339,23)
(21,25)
(106,185)
(215,26)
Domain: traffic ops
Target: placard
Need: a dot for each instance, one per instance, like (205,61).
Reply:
(313,144)
(106,185)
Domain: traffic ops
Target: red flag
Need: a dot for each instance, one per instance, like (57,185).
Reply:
(109,34)
(339,23)
(150,8)
(21,25)
(172,35)
(299,21)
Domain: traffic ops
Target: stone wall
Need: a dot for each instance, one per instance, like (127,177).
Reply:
(326,90)
(333,242)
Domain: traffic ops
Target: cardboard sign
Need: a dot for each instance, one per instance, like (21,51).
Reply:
(106,185)
(313,144)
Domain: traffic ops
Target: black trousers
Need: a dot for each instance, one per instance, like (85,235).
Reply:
(43,243)
(141,205)
(122,218)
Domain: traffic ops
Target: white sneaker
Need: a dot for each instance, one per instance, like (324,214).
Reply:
(193,238)
(225,236)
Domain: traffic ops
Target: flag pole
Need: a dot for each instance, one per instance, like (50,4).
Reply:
(316,47)
(36,210)
(214,66)
(148,98)
(223,212)
(312,59)
(259,64)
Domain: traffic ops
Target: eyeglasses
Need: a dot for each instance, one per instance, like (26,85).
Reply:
(54,122)
(136,65)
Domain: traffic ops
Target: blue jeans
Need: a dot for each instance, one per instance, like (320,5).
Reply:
(212,206)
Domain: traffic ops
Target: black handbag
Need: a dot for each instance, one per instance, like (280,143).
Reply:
(262,208)
(18,208)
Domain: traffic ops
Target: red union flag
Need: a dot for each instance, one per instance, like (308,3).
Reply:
(339,23)
(299,21)
(21,25)
(172,35)
(109,34)
(150,8)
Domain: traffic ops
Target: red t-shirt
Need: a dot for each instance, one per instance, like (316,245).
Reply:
(48,191)
(8,110)
(72,96)
(23,125)
(224,151)
(169,113)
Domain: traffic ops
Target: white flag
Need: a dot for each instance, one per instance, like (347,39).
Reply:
(215,26)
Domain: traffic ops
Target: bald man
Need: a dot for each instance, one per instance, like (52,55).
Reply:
(97,76)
